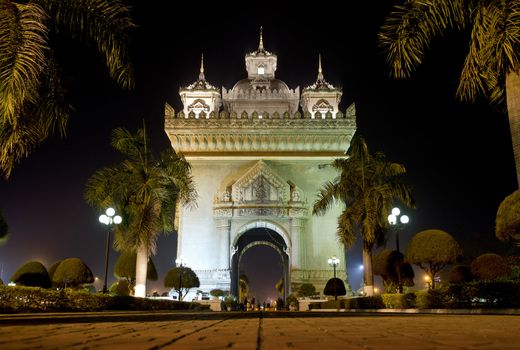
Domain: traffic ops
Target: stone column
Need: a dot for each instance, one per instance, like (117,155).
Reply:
(296,232)
(223,226)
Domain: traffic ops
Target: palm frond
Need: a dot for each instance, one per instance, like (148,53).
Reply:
(17,141)
(494,51)
(52,111)
(129,145)
(409,30)
(23,43)
(102,23)
(327,197)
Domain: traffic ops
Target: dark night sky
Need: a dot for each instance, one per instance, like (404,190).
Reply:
(458,156)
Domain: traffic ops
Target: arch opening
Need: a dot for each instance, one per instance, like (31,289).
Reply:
(262,255)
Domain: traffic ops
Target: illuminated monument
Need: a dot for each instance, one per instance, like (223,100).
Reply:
(258,163)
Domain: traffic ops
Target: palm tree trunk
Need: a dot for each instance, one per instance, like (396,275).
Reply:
(368,276)
(513,111)
(141,265)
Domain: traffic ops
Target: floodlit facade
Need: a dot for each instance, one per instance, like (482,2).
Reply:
(258,162)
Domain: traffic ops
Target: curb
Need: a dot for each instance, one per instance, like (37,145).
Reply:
(428,311)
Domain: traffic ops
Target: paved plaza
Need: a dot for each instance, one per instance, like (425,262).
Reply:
(257,331)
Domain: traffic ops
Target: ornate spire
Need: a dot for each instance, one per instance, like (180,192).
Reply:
(201,74)
(321,83)
(320,71)
(261,44)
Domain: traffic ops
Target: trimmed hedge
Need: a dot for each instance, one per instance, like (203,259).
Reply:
(33,299)
(484,294)
(373,302)
(399,301)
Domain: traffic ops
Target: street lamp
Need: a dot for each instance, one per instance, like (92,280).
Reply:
(178,261)
(334,262)
(109,219)
(397,221)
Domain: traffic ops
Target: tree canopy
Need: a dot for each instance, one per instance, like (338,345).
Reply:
(507,226)
(72,272)
(125,267)
(432,250)
(490,267)
(32,274)
(182,279)
(492,65)
(390,265)
(146,189)
(367,185)
(32,98)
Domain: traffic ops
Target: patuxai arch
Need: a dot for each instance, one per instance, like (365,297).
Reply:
(259,153)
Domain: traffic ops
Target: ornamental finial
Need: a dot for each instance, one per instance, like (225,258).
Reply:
(261,44)
(201,74)
(320,71)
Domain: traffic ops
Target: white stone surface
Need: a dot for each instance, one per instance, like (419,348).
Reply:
(260,163)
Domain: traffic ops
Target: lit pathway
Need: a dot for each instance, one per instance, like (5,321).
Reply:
(255,331)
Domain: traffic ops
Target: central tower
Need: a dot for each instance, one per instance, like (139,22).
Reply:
(258,164)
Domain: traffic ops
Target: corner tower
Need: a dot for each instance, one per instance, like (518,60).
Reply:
(200,98)
(321,98)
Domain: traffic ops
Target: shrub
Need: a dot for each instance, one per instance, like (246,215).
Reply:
(32,274)
(306,290)
(31,299)
(339,287)
(72,272)
(1,282)
(373,302)
(507,226)
(460,274)
(292,300)
(398,301)
(121,288)
(498,294)
(429,299)
(53,268)
(490,267)
(217,293)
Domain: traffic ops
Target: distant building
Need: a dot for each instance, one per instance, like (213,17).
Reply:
(258,163)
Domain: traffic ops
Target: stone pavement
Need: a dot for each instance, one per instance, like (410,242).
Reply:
(317,331)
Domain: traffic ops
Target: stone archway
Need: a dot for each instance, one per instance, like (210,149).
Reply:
(254,237)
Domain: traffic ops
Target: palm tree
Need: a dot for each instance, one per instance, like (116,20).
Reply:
(492,65)
(146,189)
(32,103)
(367,185)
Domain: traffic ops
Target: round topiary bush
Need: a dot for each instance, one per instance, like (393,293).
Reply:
(72,272)
(121,288)
(460,274)
(340,287)
(32,274)
(490,267)
(217,293)
(507,225)
(307,290)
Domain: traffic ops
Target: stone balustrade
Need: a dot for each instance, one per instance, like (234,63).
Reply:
(170,114)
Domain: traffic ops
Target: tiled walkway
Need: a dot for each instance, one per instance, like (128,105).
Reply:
(257,331)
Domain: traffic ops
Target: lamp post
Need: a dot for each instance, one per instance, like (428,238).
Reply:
(397,220)
(334,262)
(109,218)
(178,261)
